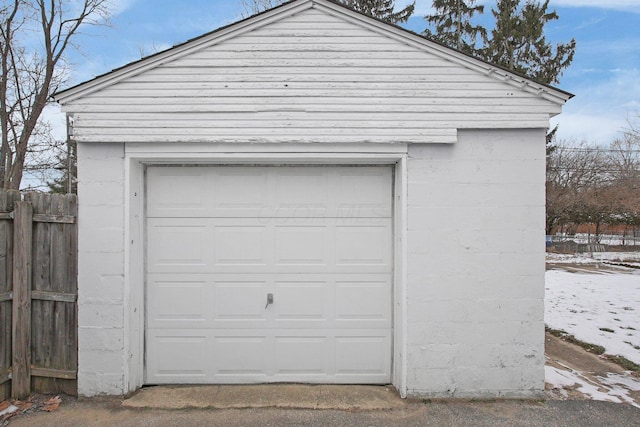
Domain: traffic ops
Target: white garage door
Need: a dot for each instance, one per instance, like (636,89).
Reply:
(269,274)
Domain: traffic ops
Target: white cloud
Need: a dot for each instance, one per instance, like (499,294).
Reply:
(600,109)
(53,115)
(628,5)
(594,127)
(118,6)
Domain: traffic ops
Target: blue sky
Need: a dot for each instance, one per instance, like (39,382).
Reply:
(604,76)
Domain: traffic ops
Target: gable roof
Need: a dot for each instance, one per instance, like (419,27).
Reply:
(295,6)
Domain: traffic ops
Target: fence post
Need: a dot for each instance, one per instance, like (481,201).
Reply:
(21,369)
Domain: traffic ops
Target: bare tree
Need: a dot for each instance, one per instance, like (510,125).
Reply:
(595,185)
(34,36)
(624,161)
(575,175)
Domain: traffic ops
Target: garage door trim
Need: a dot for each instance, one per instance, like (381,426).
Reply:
(138,159)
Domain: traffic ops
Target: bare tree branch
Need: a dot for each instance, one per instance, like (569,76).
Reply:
(28,79)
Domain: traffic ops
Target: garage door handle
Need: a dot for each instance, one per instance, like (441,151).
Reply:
(269,300)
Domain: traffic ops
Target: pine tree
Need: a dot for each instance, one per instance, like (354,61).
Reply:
(381,9)
(451,24)
(66,163)
(518,42)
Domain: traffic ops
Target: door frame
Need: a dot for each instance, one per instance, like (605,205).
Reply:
(140,155)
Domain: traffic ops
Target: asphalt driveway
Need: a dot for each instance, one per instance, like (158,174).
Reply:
(112,412)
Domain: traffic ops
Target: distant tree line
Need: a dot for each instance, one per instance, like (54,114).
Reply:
(588,184)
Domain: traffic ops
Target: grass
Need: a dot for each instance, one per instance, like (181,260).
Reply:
(565,336)
(625,363)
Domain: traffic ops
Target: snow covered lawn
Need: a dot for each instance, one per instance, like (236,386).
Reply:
(598,305)
(598,308)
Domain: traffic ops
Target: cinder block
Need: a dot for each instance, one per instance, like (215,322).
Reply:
(438,332)
(100,339)
(103,238)
(533,378)
(91,171)
(93,262)
(108,215)
(487,382)
(101,151)
(434,356)
(102,193)
(105,361)
(427,382)
(102,289)
(98,384)
(101,315)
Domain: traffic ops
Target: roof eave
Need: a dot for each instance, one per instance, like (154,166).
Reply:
(216,36)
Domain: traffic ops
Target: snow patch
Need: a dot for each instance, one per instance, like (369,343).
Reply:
(602,309)
(612,388)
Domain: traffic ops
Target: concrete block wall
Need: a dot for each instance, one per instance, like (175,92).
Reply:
(476,265)
(101,269)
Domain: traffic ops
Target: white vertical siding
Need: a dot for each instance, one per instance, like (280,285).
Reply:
(308,77)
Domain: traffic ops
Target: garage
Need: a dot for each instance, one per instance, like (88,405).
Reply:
(312,195)
(269,274)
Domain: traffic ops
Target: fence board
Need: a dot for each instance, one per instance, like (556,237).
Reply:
(39,351)
(7,200)
(21,322)
(55,249)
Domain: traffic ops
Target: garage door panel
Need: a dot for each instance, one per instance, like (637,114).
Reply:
(318,239)
(240,301)
(363,244)
(176,192)
(232,356)
(303,355)
(241,354)
(177,301)
(358,193)
(362,301)
(278,192)
(362,355)
(297,245)
(238,191)
(173,245)
(179,355)
(303,300)
(240,245)
(301,192)
(228,245)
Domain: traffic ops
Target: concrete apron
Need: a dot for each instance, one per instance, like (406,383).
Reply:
(290,396)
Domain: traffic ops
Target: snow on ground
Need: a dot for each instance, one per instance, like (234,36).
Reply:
(598,308)
(587,258)
(612,388)
(597,305)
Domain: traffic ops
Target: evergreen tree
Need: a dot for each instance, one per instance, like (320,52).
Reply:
(451,25)
(381,9)
(518,42)
(66,163)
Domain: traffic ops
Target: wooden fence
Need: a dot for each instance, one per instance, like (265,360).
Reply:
(38,294)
